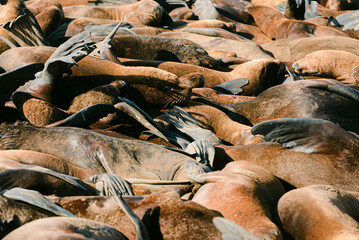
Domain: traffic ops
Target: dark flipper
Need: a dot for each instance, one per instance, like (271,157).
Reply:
(10,81)
(309,135)
(7,226)
(232,87)
(85,117)
(36,199)
(112,185)
(187,125)
(25,30)
(232,231)
(203,150)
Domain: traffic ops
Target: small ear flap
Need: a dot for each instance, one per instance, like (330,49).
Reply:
(36,199)
(232,87)
(231,230)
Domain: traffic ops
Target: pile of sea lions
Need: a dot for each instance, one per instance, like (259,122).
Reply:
(179,119)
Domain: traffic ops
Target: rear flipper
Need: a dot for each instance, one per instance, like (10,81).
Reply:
(111,185)
(36,199)
(232,231)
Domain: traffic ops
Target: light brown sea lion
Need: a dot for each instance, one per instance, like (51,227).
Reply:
(329,63)
(213,95)
(140,13)
(65,228)
(48,13)
(291,50)
(323,153)
(163,213)
(276,26)
(257,189)
(253,33)
(245,48)
(261,73)
(182,13)
(206,23)
(320,212)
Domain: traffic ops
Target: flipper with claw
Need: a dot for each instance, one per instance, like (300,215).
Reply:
(231,230)
(25,29)
(103,48)
(85,117)
(309,135)
(187,125)
(36,199)
(109,184)
(232,87)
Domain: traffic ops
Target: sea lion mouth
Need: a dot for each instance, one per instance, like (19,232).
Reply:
(177,96)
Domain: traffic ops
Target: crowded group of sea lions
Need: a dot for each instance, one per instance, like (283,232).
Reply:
(179,119)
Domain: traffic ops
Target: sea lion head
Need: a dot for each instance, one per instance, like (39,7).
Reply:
(159,93)
(153,14)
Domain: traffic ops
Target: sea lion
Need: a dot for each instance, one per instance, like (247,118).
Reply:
(276,26)
(93,151)
(261,73)
(182,13)
(329,63)
(318,149)
(245,48)
(319,212)
(291,50)
(164,214)
(65,227)
(304,98)
(258,190)
(141,13)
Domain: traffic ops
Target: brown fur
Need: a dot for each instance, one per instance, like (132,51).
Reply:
(329,63)
(291,50)
(163,213)
(276,26)
(320,212)
(141,13)
(245,194)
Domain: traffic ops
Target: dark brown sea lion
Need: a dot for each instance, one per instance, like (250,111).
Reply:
(65,228)
(257,189)
(291,50)
(276,26)
(323,99)
(329,63)
(320,212)
(322,152)
(140,13)
(163,213)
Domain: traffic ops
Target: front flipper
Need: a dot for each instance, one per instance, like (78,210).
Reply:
(309,135)
(111,185)
(232,87)
(36,199)
(187,125)
(232,231)
(85,117)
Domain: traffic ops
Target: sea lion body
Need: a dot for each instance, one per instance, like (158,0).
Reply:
(329,63)
(164,214)
(252,185)
(320,212)
(99,153)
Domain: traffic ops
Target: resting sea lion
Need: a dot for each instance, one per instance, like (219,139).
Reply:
(164,214)
(257,189)
(276,26)
(140,13)
(329,63)
(320,212)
